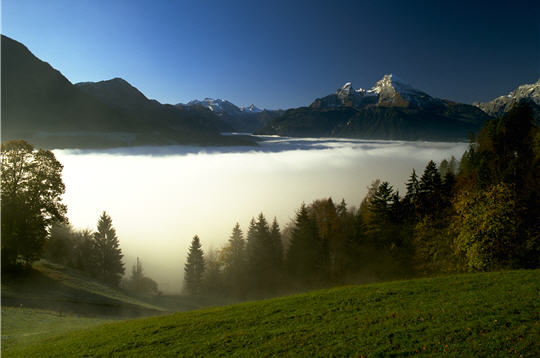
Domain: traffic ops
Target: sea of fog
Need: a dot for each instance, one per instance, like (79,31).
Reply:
(159,197)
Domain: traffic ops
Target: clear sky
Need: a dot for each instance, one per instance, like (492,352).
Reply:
(282,54)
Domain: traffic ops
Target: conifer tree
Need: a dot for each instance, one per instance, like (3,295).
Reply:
(412,188)
(212,281)
(260,253)
(194,268)
(430,191)
(138,282)
(110,267)
(137,275)
(275,236)
(235,262)
(303,256)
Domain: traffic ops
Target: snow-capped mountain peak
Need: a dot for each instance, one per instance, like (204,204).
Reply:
(390,91)
(502,104)
(345,90)
(251,109)
(222,106)
(215,105)
(393,91)
(390,82)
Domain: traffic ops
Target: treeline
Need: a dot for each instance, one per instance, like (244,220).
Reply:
(34,223)
(481,213)
(97,254)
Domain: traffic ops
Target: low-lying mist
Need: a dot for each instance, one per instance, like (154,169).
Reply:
(160,197)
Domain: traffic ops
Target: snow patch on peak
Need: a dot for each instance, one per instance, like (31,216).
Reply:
(392,83)
(345,90)
(251,109)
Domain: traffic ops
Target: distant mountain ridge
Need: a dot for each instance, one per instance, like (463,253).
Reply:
(222,106)
(121,95)
(500,105)
(240,119)
(391,109)
(40,105)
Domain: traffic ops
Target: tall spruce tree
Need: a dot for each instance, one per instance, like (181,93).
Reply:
(305,248)
(110,267)
(235,262)
(277,245)
(412,188)
(194,268)
(260,252)
(430,191)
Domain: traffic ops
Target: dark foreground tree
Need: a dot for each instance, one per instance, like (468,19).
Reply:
(31,183)
(194,268)
(108,253)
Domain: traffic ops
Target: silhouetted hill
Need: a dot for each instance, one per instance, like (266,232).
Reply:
(119,94)
(40,105)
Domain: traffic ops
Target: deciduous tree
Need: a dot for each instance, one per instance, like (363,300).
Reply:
(31,183)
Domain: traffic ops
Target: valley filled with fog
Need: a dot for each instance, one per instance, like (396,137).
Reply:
(160,197)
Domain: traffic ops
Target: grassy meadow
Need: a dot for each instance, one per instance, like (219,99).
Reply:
(486,314)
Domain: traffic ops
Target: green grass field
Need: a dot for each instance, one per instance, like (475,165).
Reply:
(23,326)
(489,314)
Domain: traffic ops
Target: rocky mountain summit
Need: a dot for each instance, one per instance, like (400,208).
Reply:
(391,109)
(390,91)
(501,105)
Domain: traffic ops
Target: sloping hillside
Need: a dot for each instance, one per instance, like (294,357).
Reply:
(490,314)
(54,287)
(42,106)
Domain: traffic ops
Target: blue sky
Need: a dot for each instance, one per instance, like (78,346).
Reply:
(282,54)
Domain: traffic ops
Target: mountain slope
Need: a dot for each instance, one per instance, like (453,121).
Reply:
(500,105)
(488,314)
(391,109)
(240,119)
(40,105)
(119,94)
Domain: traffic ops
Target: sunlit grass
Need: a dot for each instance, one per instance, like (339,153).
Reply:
(491,314)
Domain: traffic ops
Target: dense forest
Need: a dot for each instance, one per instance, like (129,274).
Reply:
(479,213)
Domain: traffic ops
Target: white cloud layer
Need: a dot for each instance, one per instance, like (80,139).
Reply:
(159,197)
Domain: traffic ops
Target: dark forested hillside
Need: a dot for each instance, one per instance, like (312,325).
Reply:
(378,123)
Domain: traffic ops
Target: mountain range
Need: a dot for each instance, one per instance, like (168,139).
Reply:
(500,105)
(391,109)
(40,105)
(241,119)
